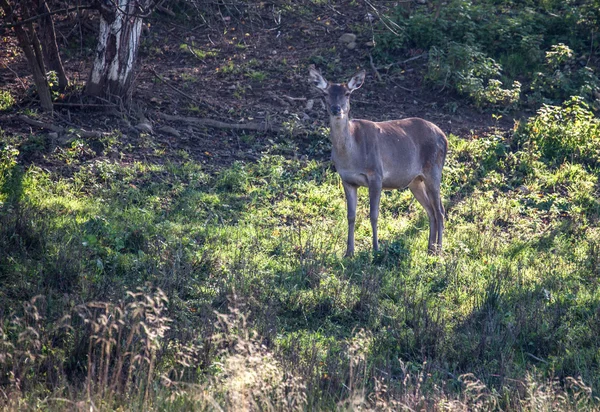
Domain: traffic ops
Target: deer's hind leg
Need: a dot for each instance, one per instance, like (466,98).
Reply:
(419,190)
(433,192)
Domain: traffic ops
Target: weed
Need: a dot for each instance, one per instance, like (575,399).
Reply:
(257,76)
(6,100)
(198,52)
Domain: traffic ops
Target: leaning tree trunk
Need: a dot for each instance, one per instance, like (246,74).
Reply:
(29,43)
(49,45)
(118,42)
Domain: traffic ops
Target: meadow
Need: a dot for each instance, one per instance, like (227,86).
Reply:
(163,282)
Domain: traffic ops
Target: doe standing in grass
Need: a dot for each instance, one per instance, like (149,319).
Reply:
(384,155)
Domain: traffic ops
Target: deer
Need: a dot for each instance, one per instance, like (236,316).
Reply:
(387,155)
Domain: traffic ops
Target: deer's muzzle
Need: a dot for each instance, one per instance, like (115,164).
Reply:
(336,110)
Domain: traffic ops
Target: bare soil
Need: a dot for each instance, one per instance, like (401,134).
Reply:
(238,64)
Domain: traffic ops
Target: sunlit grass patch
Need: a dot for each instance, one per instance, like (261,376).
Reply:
(512,298)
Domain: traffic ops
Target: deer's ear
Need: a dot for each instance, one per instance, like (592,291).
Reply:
(357,80)
(318,80)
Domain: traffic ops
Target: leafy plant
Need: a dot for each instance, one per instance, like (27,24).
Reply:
(471,73)
(6,100)
(563,77)
(569,132)
(477,47)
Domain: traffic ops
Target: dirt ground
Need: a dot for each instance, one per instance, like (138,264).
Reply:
(238,64)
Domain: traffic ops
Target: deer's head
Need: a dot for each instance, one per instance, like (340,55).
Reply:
(338,94)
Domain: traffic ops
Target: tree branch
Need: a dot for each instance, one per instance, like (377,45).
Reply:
(39,16)
(60,129)
(261,127)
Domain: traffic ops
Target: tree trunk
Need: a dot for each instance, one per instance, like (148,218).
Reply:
(49,45)
(120,28)
(30,44)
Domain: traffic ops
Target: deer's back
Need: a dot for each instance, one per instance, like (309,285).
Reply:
(400,149)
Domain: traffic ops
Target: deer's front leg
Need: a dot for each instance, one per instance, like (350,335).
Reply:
(351,199)
(374,197)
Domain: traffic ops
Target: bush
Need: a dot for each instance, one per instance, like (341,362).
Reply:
(471,73)
(476,47)
(568,132)
(563,77)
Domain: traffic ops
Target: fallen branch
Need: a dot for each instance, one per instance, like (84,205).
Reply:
(37,123)
(165,10)
(389,66)
(84,105)
(261,127)
(58,129)
(187,96)
(294,99)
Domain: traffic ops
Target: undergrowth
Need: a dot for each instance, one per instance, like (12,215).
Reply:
(501,54)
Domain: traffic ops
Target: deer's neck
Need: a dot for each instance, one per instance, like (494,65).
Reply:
(341,138)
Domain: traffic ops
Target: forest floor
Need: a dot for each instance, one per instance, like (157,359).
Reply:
(246,67)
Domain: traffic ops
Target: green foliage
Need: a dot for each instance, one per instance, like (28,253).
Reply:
(6,100)
(198,52)
(563,77)
(476,47)
(471,73)
(233,179)
(569,132)
(257,75)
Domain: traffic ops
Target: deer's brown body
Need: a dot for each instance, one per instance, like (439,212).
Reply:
(385,155)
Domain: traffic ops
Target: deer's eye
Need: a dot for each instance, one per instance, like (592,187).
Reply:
(347,94)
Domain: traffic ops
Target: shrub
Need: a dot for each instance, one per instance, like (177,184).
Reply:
(563,77)
(476,47)
(471,73)
(567,132)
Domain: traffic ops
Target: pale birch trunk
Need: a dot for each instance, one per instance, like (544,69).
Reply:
(118,43)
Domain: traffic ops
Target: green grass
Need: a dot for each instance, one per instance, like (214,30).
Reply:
(507,318)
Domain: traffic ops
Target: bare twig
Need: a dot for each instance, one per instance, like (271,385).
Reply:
(536,358)
(414,58)
(16,75)
(107,105)
(39,16)
(293,99)
(388,66)
(387,22)
(374,68)
(165,10)
(145,12)
(403,88)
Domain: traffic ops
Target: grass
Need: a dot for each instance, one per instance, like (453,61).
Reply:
(247,303)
